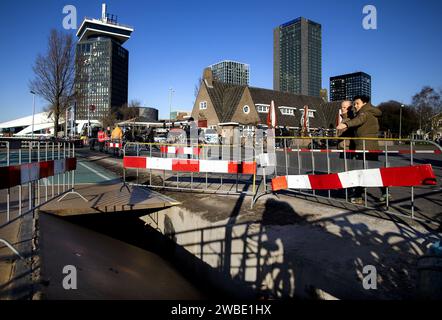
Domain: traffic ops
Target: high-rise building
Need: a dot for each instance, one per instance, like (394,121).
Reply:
(231,72)
(101,66)
(297,57)
(346,86)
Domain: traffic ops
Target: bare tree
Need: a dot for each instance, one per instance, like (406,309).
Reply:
(54,74)
(130,111)
(427,103)
(109,119)
(390,120)
(196,89)
(327,114)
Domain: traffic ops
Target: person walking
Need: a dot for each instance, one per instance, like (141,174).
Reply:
(116,137)
(101,139)
(366,125)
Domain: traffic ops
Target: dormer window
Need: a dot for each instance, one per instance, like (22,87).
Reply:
(287,111)
(262,108)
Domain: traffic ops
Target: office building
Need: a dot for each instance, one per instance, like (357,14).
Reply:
(102,64)
(231,72)
(297,57)
(346,86)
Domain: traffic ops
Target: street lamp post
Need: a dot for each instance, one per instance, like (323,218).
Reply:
(400,122)
(33,112)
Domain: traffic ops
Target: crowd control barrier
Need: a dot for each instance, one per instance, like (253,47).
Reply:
(202,168)
(32,173)
(328,168)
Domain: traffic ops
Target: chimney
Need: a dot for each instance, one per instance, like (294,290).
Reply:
(208,76)
(103,12)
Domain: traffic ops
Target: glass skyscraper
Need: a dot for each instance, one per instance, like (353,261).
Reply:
(346,86)
(231,72)
(297,57)
(101,66)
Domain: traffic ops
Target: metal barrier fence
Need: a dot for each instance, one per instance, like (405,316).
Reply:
(299,156)
(41,169)
(200,167)
(203,168)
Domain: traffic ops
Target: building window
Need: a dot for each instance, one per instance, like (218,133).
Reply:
(203,105)
(288,111)
(262,108)
(246,109)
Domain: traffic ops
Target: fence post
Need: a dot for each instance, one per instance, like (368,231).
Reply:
(386,166)
(20,188)
(313,160)
(412,188)
(328,163)
(30,183)
(47,178)
(8,196)
(345,165)
(365,167)
(38,181)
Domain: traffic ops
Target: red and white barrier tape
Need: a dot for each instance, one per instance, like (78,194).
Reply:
(189,165)
(382,177)
(27,172)
(437,151)
(180,150)
(115,145)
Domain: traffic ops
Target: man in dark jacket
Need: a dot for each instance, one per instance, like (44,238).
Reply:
(366,125)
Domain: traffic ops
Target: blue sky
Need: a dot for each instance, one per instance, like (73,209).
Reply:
(174,40)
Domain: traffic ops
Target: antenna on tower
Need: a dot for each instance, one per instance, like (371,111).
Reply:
(103,12)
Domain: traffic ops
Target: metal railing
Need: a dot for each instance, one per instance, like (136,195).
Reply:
(38,166)
(324,155)
(193,180)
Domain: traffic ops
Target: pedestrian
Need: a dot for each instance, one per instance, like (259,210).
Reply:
(366,125)
(101,139)
(117,137)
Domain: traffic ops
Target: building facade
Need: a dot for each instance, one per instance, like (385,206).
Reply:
(247,107)
(347,86)
(297,57)
(231,72)
(101,67)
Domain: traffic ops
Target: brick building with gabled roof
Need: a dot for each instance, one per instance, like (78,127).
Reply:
(220,103)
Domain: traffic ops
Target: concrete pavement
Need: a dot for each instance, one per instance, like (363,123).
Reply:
(106,268)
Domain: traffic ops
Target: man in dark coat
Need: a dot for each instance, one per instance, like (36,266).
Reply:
(366,125)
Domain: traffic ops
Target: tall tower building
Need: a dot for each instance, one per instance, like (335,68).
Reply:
(347,86)
(101,66)
(297,57)
(231,72)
